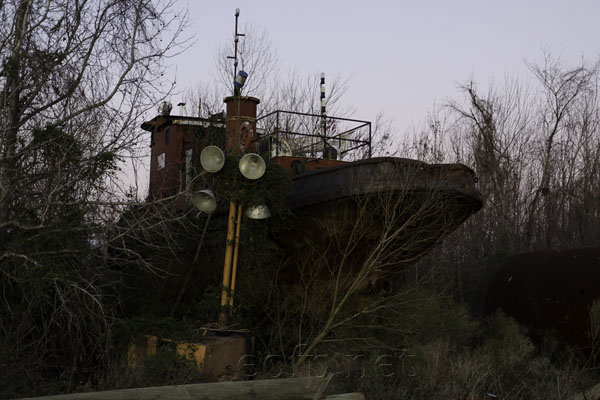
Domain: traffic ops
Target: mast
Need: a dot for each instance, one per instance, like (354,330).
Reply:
(236,40)
(323,112)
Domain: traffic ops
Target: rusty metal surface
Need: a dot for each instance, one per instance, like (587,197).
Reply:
(173,136)
(424,203)
(379,175)
(166,181)
(240,109)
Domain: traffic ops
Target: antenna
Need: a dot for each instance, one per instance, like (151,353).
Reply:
(323,112)
(235,44)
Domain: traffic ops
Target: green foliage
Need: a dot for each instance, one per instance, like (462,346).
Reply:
(66,119)
(272,188)
(258,251)
(499,359)
(169,235)
(54,321)
(54,143)
(55,147)
(58,296)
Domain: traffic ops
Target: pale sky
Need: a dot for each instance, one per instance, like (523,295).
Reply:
(403,56)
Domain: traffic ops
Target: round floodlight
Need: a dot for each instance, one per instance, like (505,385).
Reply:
(212,158)
(258,212)
(205,201)
(252,166)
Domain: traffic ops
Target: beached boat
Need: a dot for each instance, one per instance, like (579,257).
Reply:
(343,186)
(334,178)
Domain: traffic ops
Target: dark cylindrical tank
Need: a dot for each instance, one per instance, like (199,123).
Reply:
(549,290)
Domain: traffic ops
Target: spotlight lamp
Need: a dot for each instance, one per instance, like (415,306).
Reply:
(212,159)
(252,166)
(260,211)
(205,201)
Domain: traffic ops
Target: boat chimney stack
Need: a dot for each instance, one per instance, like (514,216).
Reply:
(240,136)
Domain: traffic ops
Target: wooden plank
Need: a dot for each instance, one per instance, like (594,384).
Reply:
(322,387)
(346,396)
(268,389)
(591,393)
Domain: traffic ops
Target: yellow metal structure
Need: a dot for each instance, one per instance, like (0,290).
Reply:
(235,257)
(214,356)
(231,259)
(227,264)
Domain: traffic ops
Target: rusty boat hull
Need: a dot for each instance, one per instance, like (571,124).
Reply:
(407,204)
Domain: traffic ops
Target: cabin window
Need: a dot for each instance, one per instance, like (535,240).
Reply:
(160,160)
(167,133)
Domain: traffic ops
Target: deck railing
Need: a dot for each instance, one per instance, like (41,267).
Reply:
(311,135)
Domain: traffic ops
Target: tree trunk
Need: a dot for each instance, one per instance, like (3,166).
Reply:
(10,103)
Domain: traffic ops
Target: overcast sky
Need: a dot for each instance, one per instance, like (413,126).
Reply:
(403,56)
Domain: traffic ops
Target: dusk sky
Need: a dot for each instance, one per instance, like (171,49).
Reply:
(402,56)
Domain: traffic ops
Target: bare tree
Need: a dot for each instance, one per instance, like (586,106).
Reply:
(290,91)
(75,80)
(566,92)
(337,283)
(204,100)
(72,65)
(532,146)
(256,55)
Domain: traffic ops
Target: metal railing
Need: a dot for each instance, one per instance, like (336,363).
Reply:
(309,135)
